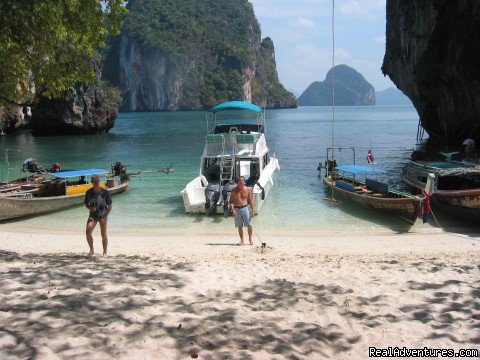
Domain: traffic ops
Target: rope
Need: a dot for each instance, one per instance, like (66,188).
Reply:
(435,217)
(452,234)
(333,78)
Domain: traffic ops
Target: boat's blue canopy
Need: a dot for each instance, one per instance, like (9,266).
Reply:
(361,169)
(77,173)
(236,105)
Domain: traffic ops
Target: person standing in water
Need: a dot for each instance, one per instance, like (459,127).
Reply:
(240,199)
(99,203)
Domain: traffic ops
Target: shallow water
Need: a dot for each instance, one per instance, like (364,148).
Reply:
(298,137)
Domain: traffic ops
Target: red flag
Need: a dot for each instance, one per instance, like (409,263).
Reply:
(370,158)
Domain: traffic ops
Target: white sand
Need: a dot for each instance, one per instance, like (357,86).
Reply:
(168,297)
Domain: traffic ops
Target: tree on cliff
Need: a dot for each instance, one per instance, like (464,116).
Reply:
(46,45)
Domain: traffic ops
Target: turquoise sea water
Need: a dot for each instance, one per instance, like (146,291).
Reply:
(298,137)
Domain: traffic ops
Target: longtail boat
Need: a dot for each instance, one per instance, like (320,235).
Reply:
(360,185)
(61,191)
(456,186)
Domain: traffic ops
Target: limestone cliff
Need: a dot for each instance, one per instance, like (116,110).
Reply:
(191,55)
(87,110)
(351,89)
(432,52)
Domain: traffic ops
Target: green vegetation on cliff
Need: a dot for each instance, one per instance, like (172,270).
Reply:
(216,44)
(351,88)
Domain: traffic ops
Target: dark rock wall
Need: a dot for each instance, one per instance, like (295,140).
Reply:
(432,55)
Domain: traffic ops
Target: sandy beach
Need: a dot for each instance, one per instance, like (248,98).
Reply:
(179,297)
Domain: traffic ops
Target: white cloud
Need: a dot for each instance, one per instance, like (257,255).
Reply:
(380,39)
(341,53)
(363,8)
(288,9)
(308,53)
(306,23)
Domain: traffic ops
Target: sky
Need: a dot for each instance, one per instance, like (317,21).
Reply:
(301,31)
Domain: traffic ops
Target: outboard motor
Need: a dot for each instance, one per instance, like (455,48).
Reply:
(226,191)
(120,170)
(212,194)
(31,165)
(330,165)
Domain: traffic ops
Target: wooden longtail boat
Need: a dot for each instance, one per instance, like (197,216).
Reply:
(457,186)
(56,194)
(371,194)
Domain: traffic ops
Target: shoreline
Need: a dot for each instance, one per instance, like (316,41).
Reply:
(183,244)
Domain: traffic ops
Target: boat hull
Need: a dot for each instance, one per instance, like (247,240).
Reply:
(12,207)
(464,204)
(405,209)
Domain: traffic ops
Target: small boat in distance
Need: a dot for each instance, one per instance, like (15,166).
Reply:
(60,191)
(351,183)
(456,185)
(231,150)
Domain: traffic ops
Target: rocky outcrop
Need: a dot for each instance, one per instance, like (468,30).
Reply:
(432,52)
(351,89)
(198,55)
(14,119)
(88,111)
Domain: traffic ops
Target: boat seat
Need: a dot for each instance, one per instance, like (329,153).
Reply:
(214,138)
(245,138)
(344,185)
(377,186)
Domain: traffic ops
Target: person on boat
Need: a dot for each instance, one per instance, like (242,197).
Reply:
(56,167)
(370,158)
(30,165)
(240,199)
(469,146)
(99,203)
(253,179)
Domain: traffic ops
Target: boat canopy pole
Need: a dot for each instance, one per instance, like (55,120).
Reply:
(331,198)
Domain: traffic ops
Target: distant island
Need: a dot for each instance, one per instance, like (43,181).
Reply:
(351,89)
(392,97)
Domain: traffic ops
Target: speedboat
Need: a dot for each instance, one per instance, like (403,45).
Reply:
(231,150)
